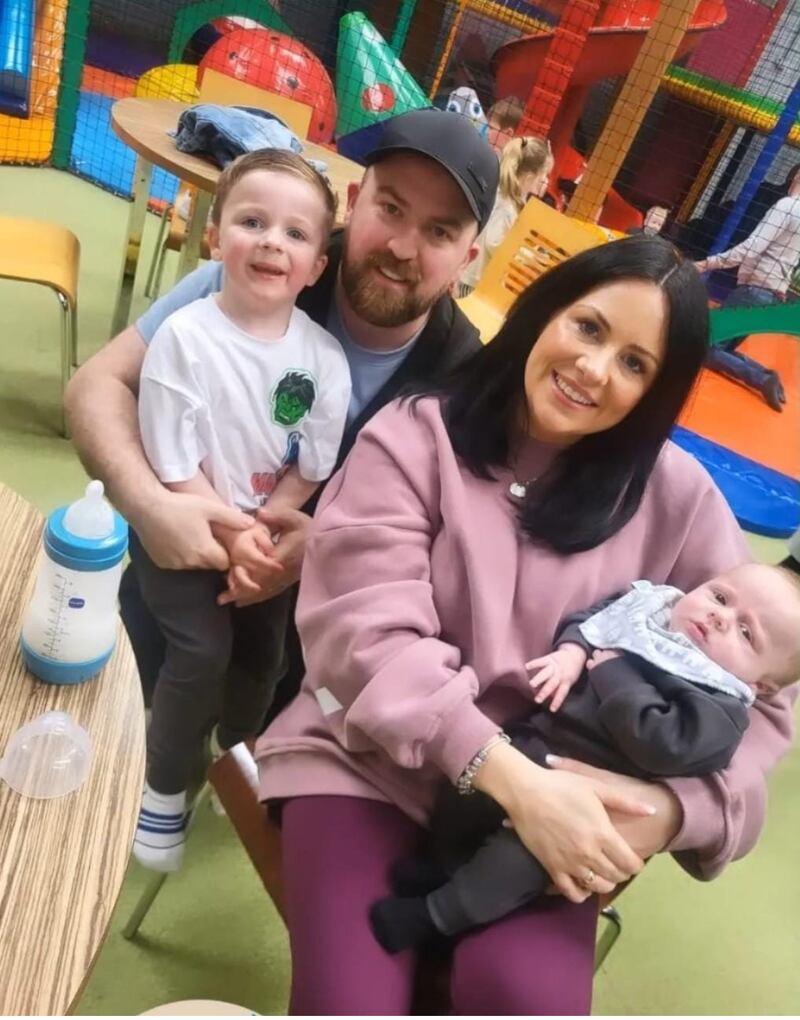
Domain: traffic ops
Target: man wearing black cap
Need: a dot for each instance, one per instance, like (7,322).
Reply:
(428,190)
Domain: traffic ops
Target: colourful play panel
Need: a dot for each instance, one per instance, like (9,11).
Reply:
(745,109)
(29,139)
(751,451)
(16,54)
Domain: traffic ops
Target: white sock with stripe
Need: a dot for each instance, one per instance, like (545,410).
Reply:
(161,830)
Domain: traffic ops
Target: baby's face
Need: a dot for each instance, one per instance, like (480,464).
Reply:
(747,621)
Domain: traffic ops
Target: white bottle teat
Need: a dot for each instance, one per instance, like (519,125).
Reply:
(91,516)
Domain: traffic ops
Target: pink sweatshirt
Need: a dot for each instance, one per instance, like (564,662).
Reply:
(421,601)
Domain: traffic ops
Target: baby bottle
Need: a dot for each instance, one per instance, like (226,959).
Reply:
(70,627)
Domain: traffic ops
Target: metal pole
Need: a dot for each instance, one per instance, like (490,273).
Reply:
(775,140)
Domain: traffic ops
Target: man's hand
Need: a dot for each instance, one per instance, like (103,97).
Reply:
(557,673)
(176,531)
(290,529)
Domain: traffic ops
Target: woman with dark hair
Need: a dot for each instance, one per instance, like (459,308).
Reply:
(464,525)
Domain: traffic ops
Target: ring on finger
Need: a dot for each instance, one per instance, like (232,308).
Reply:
(587,880)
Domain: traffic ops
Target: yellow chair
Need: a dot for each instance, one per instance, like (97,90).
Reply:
(225,91)
(539,239)
(38,252)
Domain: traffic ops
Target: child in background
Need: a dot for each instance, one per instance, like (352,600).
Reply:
(653,683)
(525,168)
(504,117)
(242,399)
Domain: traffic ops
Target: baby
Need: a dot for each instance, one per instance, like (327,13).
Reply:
(653,683)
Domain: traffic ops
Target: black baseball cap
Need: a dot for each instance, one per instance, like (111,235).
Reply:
(454,142)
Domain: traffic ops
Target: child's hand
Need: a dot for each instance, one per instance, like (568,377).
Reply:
(240,586)
(253,549)
(557,672)
(251,553)
(602,655)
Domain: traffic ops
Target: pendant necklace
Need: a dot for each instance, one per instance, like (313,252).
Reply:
(519,490)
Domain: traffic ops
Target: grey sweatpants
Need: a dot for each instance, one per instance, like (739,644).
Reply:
(222,663)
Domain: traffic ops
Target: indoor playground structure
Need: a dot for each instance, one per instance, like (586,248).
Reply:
(678,117)
(694,100)
(31,52)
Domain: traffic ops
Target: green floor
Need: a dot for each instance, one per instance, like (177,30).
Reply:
(731,947)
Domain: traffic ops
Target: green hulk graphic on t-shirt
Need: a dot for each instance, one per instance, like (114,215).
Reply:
(293,397)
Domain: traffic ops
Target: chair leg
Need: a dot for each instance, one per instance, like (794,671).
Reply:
(153,887)
(154,273)
(67,342)
(145,901)
(74,336)
(162,261)
(613,930)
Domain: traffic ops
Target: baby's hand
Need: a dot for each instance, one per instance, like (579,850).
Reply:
(557,672)
(602,655)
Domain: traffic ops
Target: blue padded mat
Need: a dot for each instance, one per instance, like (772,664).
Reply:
(763,500)
(98,154)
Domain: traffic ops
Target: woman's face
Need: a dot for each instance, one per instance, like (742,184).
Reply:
(595,360)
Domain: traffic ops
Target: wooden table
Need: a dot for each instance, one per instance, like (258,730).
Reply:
(62,861)
(143,124)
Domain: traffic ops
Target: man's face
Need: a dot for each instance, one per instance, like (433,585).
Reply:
(409,235)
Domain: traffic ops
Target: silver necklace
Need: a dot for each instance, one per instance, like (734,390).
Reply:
(519,490)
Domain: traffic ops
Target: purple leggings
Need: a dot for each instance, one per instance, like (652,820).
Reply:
(337,852)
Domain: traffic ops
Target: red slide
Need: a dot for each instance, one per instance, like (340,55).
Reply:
(610,50)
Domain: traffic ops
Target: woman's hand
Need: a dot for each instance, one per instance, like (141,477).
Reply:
(647,835)
(563,820)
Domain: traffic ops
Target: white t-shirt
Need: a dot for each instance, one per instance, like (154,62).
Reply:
(240,408)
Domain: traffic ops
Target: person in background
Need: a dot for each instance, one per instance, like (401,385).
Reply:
(654,221)
(504,117)
(525,168)
(766,261)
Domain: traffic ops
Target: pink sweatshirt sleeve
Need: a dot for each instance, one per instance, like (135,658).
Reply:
(366,600)
(723,813)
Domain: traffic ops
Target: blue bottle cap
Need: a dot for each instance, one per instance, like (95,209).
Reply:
(84,553)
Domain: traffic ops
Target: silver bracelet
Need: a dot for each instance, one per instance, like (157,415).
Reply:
(464,783)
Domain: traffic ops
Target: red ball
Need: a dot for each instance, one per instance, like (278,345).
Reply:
(278,63)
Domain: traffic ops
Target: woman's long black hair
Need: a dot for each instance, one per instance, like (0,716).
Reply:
(595,486)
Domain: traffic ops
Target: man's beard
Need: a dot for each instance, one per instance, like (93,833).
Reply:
(380,306)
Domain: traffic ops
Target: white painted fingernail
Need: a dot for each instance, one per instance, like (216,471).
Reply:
(552,759)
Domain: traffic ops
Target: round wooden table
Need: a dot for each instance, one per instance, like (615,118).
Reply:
(62,861)
(143,124)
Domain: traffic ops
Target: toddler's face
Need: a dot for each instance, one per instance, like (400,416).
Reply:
(747,621)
